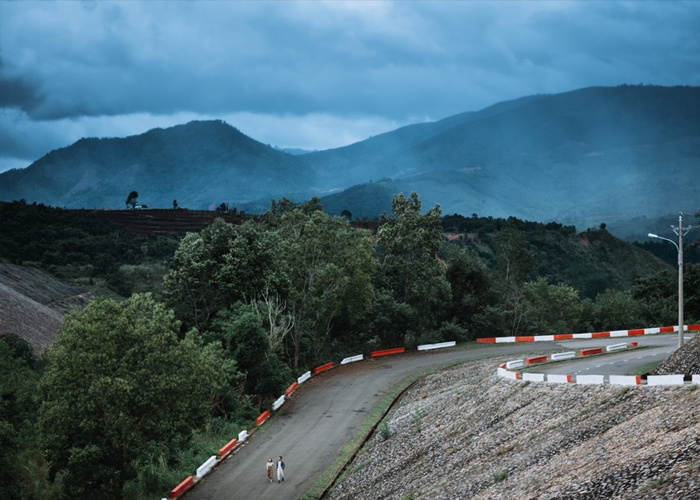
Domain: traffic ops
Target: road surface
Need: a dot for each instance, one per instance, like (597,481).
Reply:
(323,415)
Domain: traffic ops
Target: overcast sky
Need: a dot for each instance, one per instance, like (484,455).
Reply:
(313,74)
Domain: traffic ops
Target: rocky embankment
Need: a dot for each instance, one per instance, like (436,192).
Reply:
(32,304)
(465,433)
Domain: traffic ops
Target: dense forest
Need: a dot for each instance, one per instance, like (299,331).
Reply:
(197,332)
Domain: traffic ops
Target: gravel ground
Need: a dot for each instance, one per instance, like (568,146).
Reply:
(467,433)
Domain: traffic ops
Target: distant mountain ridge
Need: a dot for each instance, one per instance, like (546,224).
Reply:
(583,157)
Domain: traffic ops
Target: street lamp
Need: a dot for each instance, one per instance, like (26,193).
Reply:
(680,232)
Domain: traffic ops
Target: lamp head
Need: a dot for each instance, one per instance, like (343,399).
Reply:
(652,235)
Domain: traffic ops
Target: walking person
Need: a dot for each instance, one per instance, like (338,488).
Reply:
(280,469)
(270,469)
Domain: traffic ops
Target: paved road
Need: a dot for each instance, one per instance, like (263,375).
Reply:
(311,428)
(658,348)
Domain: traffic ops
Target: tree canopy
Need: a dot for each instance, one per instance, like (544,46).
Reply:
(121,385)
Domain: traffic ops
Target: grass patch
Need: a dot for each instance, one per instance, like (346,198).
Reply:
(657,482)
(384,430)
(643,370)
(500,476)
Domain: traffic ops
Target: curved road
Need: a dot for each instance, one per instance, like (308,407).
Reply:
(312,427)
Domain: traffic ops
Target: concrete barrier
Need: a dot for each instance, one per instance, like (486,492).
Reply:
(562,355)
(587,335)
(665,380)
(566,336)
(535,360)
(533,377)
(591,351)
(590,379)
(291,389)
(387,352)
(544,338)
(508,374)
(182,487)
(441,345)
(203,469)
(263,417)
(303,378)
(278,402)
(352,359)
(226,449)
(625,380)
(696,379)
(516,363)
(615,347)
(558,379)
(322,368)
(242,436)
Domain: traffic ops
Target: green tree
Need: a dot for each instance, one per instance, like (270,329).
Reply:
(222,264)
(515,261)
(410,269)
(329,267)
(119,388)
(241,331)
(616,310)
(553,309)
(132,199)
(472,291)
(18,407)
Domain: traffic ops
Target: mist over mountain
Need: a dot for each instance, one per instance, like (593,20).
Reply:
(583,157)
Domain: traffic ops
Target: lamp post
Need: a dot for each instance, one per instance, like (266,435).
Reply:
(680,232)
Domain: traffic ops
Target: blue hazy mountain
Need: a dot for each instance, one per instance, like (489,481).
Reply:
(582,157)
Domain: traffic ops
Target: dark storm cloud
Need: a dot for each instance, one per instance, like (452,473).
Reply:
(315,73)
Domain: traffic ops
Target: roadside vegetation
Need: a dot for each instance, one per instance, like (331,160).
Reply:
(233,313)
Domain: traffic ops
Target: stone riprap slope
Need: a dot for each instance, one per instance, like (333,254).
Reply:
(32,304)
(466,433)
(685,360)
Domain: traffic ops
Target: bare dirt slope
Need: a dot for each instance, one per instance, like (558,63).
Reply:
(466,433)
(32,304)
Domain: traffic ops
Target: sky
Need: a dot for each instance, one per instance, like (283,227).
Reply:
(315,74)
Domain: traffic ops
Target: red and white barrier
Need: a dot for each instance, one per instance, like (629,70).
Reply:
(182,487)
(227,448)
(590,379)
(352,359)
(441,345)
(558,379)
(278,402)
(558,356)
(203,469)
(615,347)
(665,380)
(589,335)
(387,352)
(304,378)
(625,380)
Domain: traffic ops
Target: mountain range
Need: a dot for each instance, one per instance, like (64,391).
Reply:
(593,155)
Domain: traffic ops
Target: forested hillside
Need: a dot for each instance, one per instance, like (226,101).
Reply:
(250,306)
